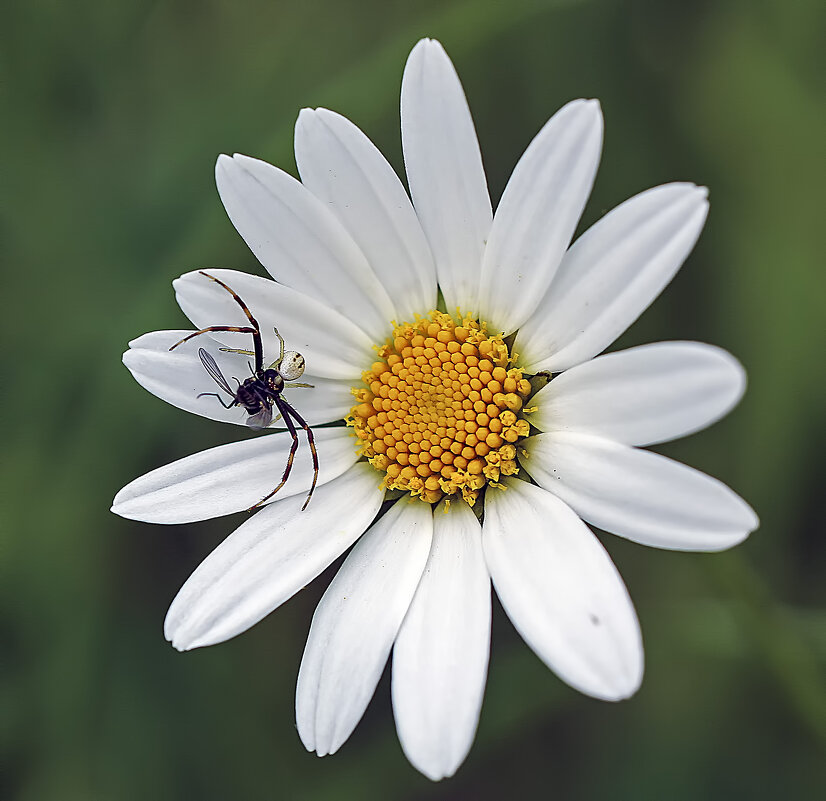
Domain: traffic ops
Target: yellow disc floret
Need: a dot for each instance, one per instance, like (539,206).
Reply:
(440,411)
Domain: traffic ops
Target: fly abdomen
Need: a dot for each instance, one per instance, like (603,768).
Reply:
(248,396)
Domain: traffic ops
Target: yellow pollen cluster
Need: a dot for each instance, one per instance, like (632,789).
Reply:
(440,412)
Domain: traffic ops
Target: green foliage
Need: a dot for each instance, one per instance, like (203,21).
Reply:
(114,115)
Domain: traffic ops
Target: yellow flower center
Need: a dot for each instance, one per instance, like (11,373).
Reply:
(439,414)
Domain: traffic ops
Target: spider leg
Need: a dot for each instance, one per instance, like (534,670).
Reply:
(293,386)
(256,329)
(216,395)
(289,467)
(276,364)
(288,412)
(235,328)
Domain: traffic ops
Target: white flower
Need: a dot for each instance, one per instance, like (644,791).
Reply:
(349,254)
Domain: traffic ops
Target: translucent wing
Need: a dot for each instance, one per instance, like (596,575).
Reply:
(260,419)
(212,368)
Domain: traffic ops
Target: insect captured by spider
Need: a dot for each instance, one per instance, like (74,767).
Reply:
(263,390)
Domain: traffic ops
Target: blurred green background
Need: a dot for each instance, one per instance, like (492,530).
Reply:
(113,116)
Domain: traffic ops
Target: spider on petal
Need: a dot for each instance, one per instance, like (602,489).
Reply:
(263,389)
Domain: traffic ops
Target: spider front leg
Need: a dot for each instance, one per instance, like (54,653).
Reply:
(255,329)
(276,364)
(234,328)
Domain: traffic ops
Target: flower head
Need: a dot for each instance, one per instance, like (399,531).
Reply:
(458,349)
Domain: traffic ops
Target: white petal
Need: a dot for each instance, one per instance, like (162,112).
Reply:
(300,242)
(345,170)
(269,558)
(562,591)
(538,214)
(331,344)
(444,172)
(637,494)
(610,276)
(440,659)
(355,624)
(328,400)
(231,478)
(643,395)
(179,377)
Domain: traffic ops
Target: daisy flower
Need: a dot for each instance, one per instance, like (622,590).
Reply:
(461,348)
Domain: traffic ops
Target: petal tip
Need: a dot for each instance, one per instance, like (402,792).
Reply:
(307,738)
(593,109)
(691,197)
(135,343)
(585,112)
(625,693)
(745,526)
(424,42)
(431,48)
(222,162)
(121,509)
(698,193)
(583,105)
(626,685)
(418,54)
(741,379)
(119,504)
(305,115)
(675,192)
(244,162)
(434,775)
(172,634)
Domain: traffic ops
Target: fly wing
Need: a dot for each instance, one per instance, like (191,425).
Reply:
(260,419)
(212,368)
